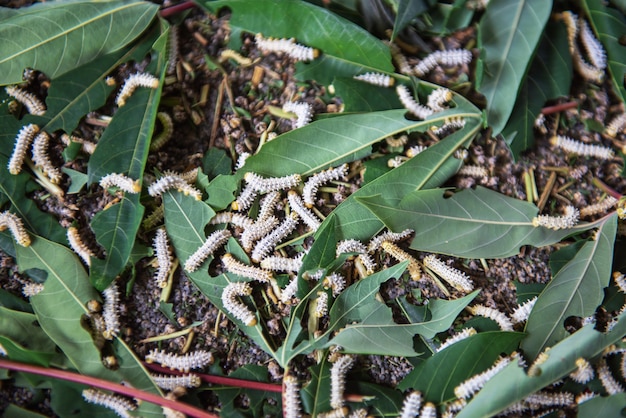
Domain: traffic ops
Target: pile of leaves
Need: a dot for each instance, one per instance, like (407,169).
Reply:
(221,100)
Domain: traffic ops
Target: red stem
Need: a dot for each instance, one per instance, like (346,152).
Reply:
(223,380)
(103,384)
(558,108)
(169,11)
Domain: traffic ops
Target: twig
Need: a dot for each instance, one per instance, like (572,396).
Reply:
(106,385)
(558,108)
(169,11)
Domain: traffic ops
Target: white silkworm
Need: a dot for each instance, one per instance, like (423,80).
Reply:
(428,411)
(500,318)
(241,160)
(120,181)
(31,289)
(132,82)
(257,230)
(236,308)
(303,112)
(32,103)
(287,46)
(291,397)
(210,245)
(389,236)
(568,220)
(473,171)
(41,159)
(321,304)
(447,58)
(170,382)
(338,373)
(472,385)
(16,226)
(607,203)
(592,45)
(164,257)
(522,312)
(173,182)
(173,50)
(266,244)
(336,282)
(535,368)
(277,263)
(120,405)
(355,246)
(194,360)
(399,59)
(271,184)
(579,148)
(235,266)
(583,373)
(609,383)
(316,180)
(110,311)
(267,205)
(296,203)
(452,276)
(377,79)
(411,405)
(541,399)
(245,198)
(87,147)
(407,100)
(617,125)
(413,151)
(78,246)
(289,291)
(438,98)
(22,142)
(463,334)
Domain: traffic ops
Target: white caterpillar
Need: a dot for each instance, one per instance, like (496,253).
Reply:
(77,244)
(579,148)
(22,142)
(236,308)
(235,266)
(568,220)
(173,182)
(195,360)
(132,82)
(287,46)
(32,103)
(296,203)
(120,181)
(377,79)
(452,276)
(303,111)
(164,257)
(316,180)
(267,243)
(41,160)
(110,311)
(407,100)
(16,226)
(447,58)
(120,405)
(212,243)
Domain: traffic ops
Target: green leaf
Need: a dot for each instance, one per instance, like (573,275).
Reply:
(316,393)
(77,180)
(14,188)
(328,143)
(407,11)
(448,18)
(549,77)
(430,168)
(216,162)
(600,407)
(478,223)
(115,230)
(324,249)
(457,363)
(366,325)
(359,96)
(513,384)
(23,340)
(508,35)
(221,191)
(576,290)
(346,48)
(61,306)
(51,37)
(123,148)
(610,26)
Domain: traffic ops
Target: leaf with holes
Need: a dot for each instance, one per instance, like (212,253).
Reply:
(346,49)
(478,223)
(576,290)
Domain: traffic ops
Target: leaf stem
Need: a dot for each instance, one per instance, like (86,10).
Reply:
(169,11)
(106,385)
(559,107)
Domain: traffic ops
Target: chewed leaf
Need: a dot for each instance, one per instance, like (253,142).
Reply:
(477,223)
(576,290)
(51,36)
(314,27)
